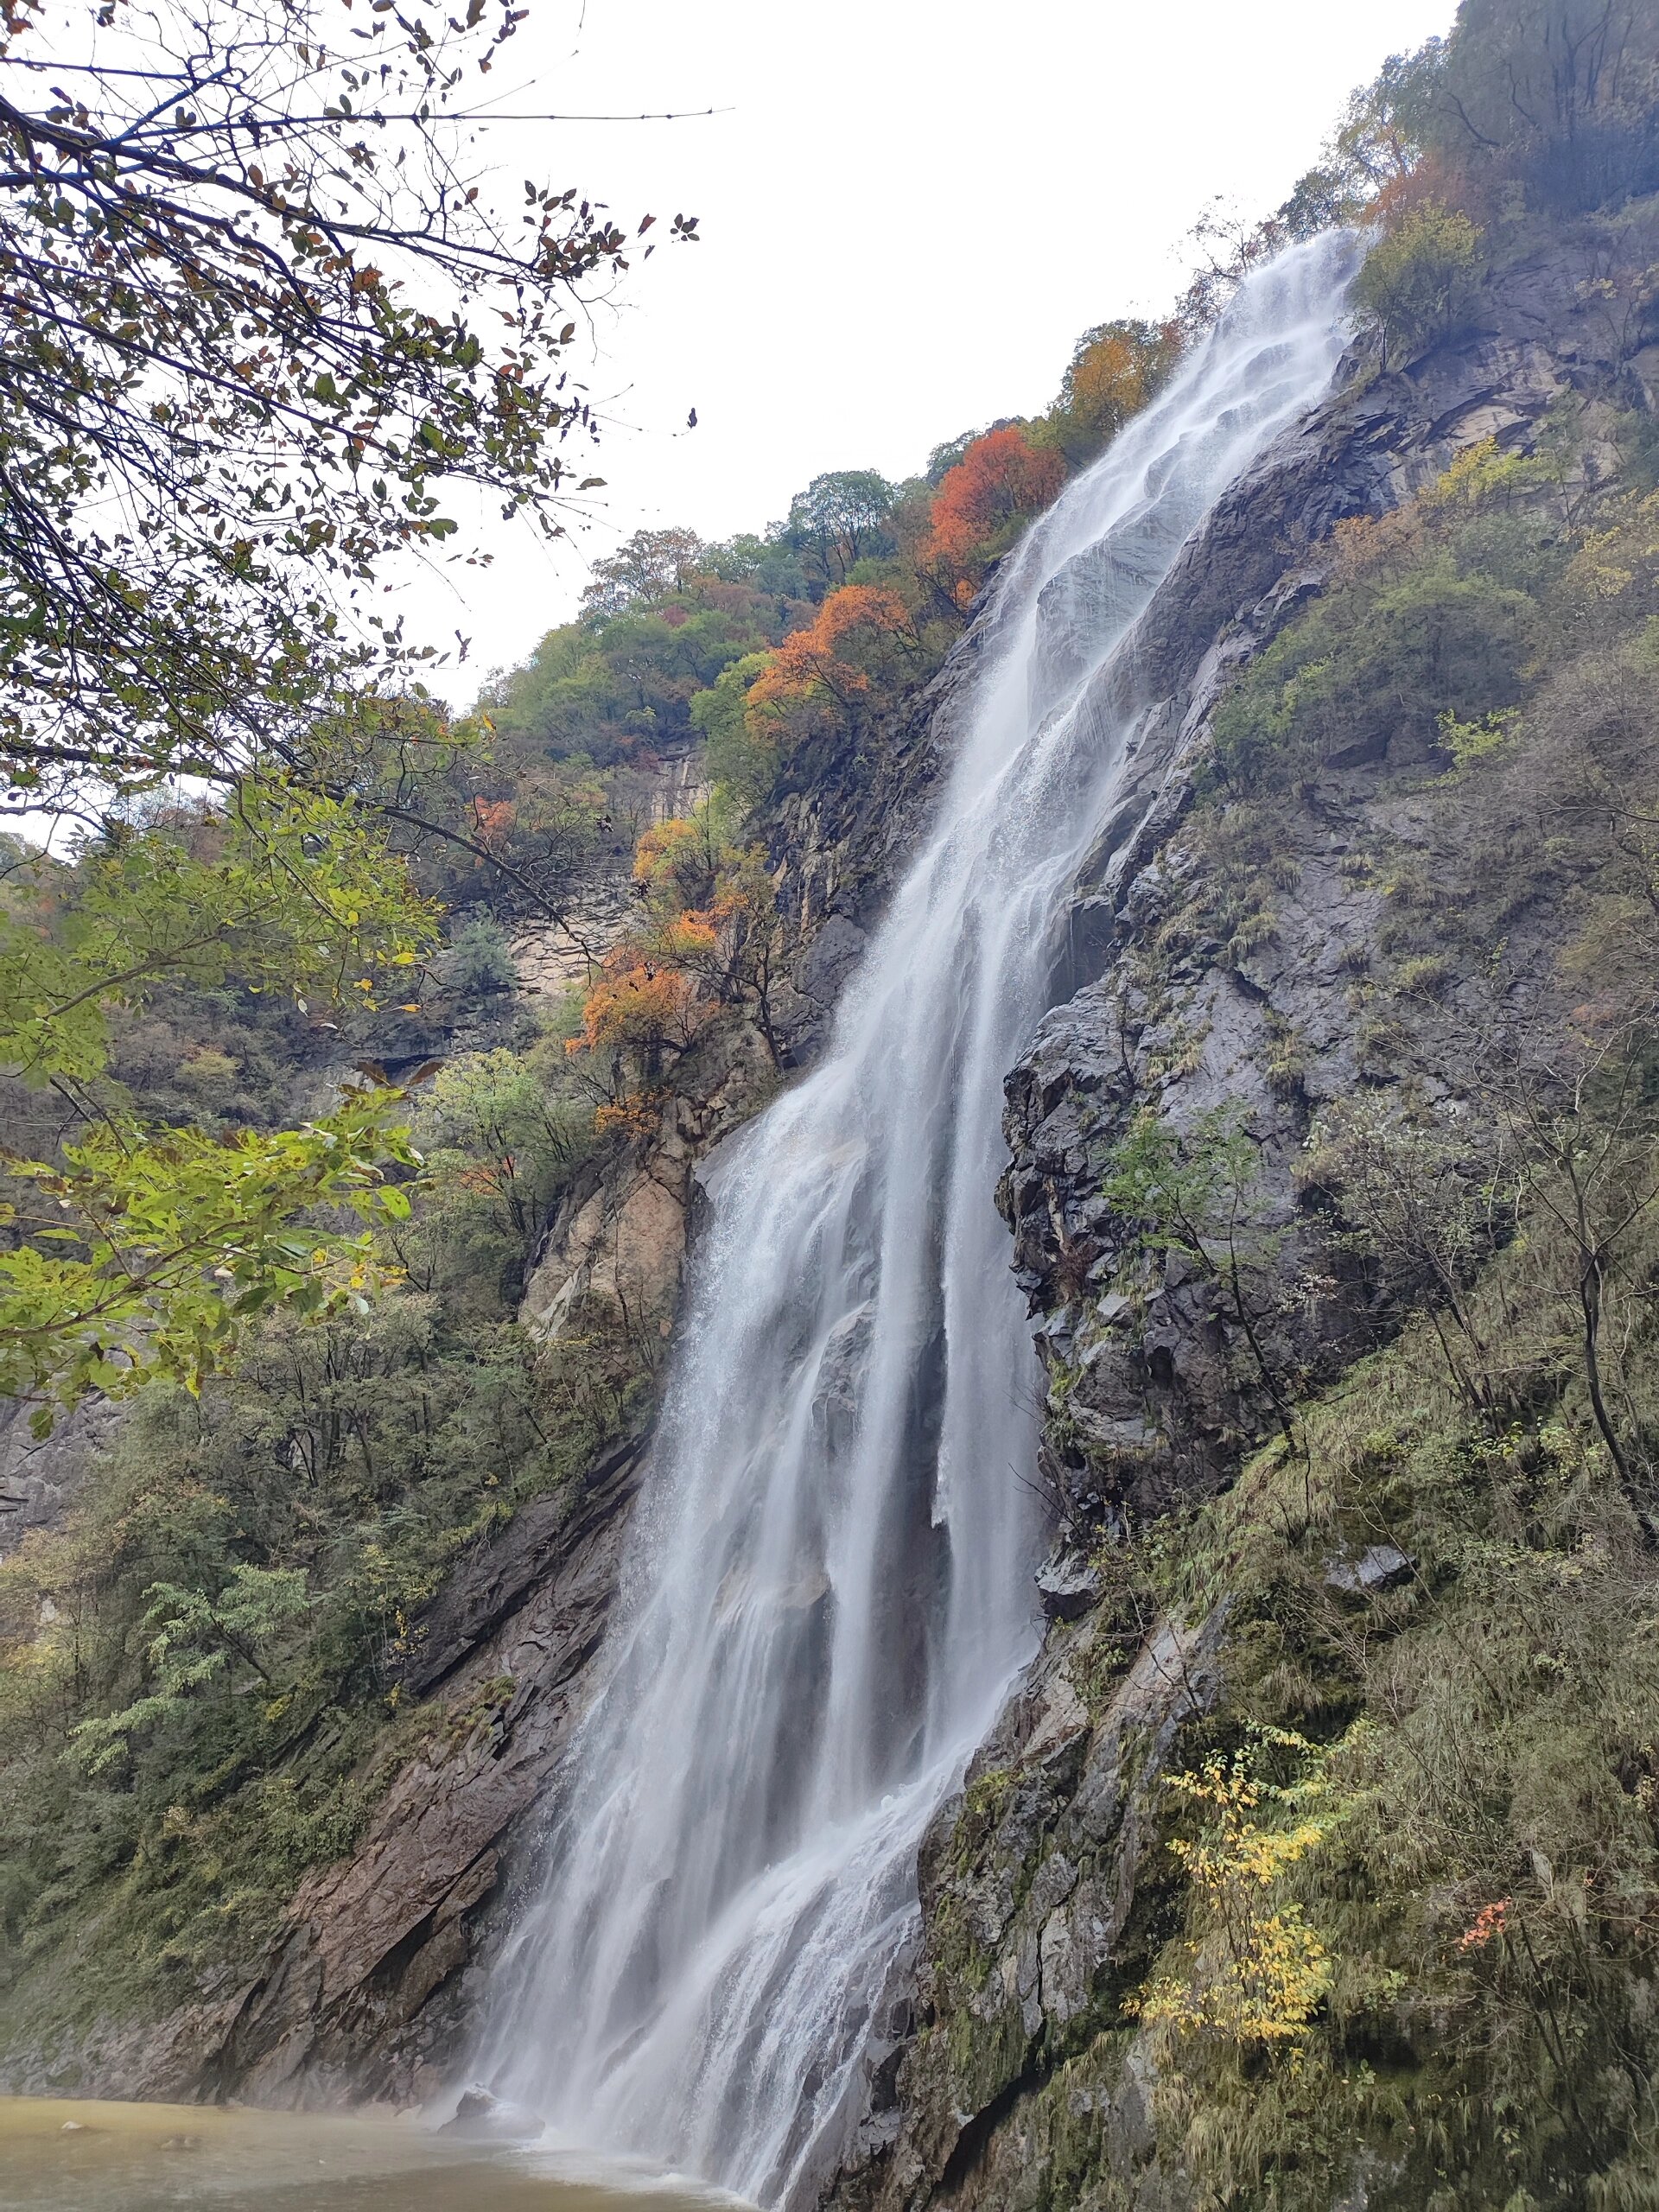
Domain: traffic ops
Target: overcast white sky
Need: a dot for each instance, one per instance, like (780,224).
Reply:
(910,211)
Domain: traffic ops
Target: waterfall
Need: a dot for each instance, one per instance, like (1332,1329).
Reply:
(830,1592)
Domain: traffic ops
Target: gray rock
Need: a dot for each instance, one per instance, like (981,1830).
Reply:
(1378,1567)
(1068,1583)
(482,2117)
(41,1478)
(1028,1880)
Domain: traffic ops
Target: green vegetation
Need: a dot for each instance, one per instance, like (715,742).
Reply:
(258,335)
(1488,1905)
(674,632)
(1492,639)
(201,1688)
(1553,97)
(1418,283)
(1438,1579)
(1192,1195)
(1527,112)
(1399,1941)
(1429,1973)
(1431,618)
(201,1694)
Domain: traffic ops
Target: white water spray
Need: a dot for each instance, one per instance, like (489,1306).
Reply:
(830,1590)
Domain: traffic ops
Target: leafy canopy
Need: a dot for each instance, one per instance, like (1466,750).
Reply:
(263,314)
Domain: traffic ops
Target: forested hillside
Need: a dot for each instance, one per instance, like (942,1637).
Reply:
(1317,1863)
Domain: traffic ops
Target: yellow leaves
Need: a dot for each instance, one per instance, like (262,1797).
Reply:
(1482,476)
(1477,469)
(1608,562)
(1469,742)
(1249,1854)
(1265,1993)
(661,845)
(705,936)
(1114,370)
(1254,1971)
(1418,281)
(1599,575)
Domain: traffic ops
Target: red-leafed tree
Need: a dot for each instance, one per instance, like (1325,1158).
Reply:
(1001,480)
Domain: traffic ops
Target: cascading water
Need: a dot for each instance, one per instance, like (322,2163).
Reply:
(830,1593)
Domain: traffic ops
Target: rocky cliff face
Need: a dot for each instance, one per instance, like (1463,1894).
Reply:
(1167,1015)
(39,1481)
(988,2091)
(552,958)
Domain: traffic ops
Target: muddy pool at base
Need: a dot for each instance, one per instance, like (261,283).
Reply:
(59,2155)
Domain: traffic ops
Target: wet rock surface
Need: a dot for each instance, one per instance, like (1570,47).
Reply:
(1029,1884)
(1159,1398)
(1020,2066)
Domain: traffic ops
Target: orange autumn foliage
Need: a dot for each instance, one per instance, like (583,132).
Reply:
(637,1000)
(494,820)
(1491,1922)
(708,936)
(672,856)
(834,654)
(689,939)
(636,1114)
(1002,477)
(485,1178)
(1114,372)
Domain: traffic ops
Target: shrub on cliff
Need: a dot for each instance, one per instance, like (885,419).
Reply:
(1431,613)
(1420,282)
(479,958)
(1376,667)
(708,935)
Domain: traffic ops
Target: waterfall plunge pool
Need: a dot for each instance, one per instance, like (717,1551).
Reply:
(58,2155)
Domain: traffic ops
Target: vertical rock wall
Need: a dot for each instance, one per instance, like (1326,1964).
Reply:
(991,2089)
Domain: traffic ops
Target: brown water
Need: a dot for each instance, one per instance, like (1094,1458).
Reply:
(57,2156)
